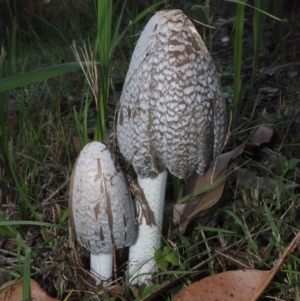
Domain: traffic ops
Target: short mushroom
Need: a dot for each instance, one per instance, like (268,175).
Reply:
(101,210)
(172,116)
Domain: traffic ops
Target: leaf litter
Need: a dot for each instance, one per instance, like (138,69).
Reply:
(239,285)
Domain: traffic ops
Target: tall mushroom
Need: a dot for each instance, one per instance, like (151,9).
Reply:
(101,210)
(172,115)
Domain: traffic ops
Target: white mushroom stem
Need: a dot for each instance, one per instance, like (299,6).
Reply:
(101,266)
(141,253)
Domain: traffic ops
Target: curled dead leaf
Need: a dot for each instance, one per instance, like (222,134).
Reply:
(213,180)
(14,292)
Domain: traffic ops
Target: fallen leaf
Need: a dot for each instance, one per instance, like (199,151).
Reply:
(240,285)
(202,192)
(262,134)
(213,182)
(266,186)
(178,211)
(14,292)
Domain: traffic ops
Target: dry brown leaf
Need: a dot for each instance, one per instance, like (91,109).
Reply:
(14,292)
(216,175)
(262,134)
(178,210)
(240,285)
(267,186)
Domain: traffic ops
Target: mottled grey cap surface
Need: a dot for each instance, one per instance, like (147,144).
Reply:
(101,210)
(172,111)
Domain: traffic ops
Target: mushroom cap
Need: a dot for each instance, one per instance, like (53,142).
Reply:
(101,210)
(172,111)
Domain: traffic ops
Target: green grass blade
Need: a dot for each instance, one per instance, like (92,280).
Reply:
(4,223)
(26,276)
(116,36)
(211,229)
(238,51)
(25,204)
(105,46)
(33,76)
(64,217)
(278,10)
(12,46)
(242,2)
(258,26)
(45,24)
(271,220)
(76,20)
(103,50)
(145,12)
(7,230)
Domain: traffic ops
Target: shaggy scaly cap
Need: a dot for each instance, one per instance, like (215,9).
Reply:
(172,111)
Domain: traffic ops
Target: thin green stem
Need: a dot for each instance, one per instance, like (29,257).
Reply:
(238,51)
(103,49)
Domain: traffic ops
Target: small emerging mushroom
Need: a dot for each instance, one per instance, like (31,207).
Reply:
(172,116)
(101,210)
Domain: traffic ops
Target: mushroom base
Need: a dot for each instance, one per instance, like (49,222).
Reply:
(141,253)
(101,266)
